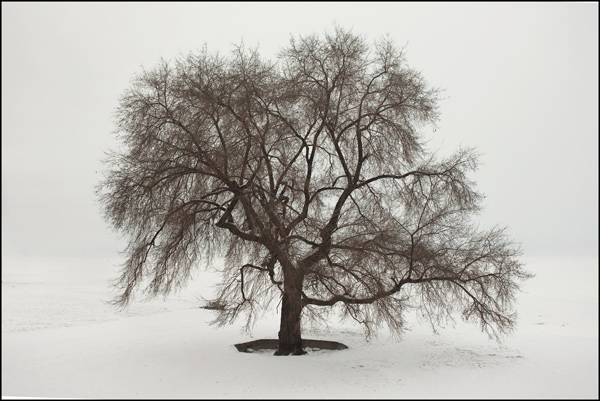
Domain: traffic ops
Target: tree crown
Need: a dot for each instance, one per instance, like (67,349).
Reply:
(306,173)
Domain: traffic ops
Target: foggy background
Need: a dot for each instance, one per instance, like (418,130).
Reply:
(520,84)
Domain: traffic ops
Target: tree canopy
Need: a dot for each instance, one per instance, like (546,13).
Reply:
(309,175)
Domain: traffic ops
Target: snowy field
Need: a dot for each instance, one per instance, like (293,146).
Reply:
(61,339)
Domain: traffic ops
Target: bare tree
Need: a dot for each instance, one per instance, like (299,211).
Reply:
(309,176)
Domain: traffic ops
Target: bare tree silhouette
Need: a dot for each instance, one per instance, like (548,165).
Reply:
(309,176)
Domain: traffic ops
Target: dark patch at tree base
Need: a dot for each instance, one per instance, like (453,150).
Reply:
(290,349)
(273,344)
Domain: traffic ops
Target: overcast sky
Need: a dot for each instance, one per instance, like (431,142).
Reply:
(520,84)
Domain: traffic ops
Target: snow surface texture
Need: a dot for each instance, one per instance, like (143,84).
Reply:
(61,339)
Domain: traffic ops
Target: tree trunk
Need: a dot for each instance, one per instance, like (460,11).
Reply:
(290,337)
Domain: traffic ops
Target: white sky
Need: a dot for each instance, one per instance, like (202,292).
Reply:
(520,80)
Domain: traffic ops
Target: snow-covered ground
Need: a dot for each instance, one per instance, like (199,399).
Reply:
(61,339)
